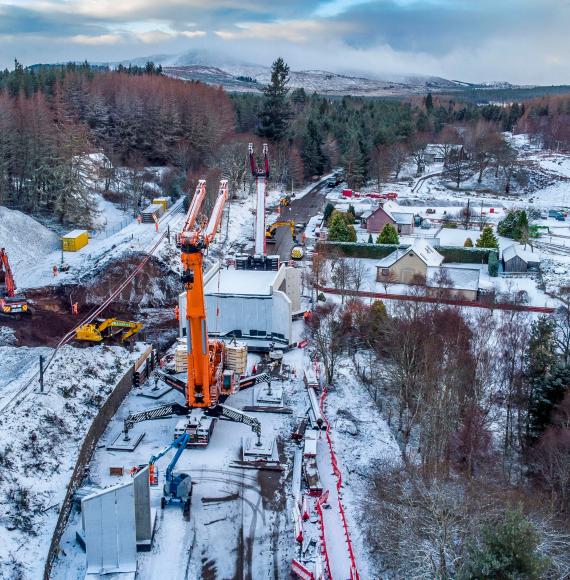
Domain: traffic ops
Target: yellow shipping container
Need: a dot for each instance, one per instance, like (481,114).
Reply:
(74,241)
(163,201)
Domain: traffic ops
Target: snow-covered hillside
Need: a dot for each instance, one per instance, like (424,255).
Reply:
(40,440)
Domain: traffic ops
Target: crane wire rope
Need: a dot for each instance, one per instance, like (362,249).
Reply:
(25,390)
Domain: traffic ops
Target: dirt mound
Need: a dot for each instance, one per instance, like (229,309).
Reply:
(155,286)
(150,298)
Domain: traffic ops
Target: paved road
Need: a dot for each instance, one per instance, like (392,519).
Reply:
(300,211)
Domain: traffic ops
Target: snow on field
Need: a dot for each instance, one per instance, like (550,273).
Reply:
(26,241)
(33,268)
(40,438)
(17,365)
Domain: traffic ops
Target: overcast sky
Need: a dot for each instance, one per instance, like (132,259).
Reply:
(521,41)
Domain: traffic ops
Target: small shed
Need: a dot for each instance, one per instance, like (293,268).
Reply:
(517,259)
(152,213)
(74,241)
(163,201)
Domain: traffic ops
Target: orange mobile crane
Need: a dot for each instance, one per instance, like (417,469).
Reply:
(10,304)
(205,357)
(207,384)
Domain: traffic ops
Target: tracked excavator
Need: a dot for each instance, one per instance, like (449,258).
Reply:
(10,304)
(271,229)
(108,328)
(207,384)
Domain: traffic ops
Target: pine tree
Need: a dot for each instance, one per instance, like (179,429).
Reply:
(540,361)
(370,239)
(548,392)
(355,162)
(388,235)
(276,112)
(312,152)
(487,239)
(339,228)
(468,243)
(429,103)
(329,208)
(508,550)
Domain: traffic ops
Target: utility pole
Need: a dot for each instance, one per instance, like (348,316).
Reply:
(41,373)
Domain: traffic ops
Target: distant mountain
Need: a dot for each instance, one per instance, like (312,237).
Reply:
(234,75)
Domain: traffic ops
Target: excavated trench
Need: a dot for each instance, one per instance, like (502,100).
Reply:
(150,299)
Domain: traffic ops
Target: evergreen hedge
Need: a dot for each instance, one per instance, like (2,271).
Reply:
(457,254)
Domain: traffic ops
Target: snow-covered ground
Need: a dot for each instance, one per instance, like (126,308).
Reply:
(40,437)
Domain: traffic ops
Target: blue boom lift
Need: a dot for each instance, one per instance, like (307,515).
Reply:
(177,485)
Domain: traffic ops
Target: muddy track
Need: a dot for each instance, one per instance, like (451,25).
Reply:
(156,287)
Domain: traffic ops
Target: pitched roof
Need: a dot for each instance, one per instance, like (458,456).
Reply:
(518,251)
(391,259)
(423,250)
(403,218)
(456,278)
(399,217)
(426,252)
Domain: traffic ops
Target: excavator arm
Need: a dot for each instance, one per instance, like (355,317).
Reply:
(8,277)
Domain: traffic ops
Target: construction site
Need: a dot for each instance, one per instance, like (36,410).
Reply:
(205,448)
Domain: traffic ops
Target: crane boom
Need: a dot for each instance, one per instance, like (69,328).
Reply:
(216,217)
(195,206)
(205,357)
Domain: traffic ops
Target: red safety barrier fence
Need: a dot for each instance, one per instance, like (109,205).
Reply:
(338,474)
(300,571)
(319,509)
(442,300)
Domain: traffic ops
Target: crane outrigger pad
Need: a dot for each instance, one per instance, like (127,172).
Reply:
(252,451)
(130,444)
(269,395)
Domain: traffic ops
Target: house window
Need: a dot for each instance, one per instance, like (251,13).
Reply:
(385,272)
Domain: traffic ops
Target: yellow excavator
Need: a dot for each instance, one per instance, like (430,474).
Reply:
(271,229)
(107,328)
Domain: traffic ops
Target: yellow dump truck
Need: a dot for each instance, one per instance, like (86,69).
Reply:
(74,241)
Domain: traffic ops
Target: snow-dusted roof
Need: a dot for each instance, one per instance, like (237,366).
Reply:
(426,252)
(423,250)
(391,259)
(392,210)
(365,215)
(403,218)
(241,282)
(435,148)
(75,234)
(517,250)
(458,278)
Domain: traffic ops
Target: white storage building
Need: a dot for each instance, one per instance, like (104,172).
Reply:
(255,306)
